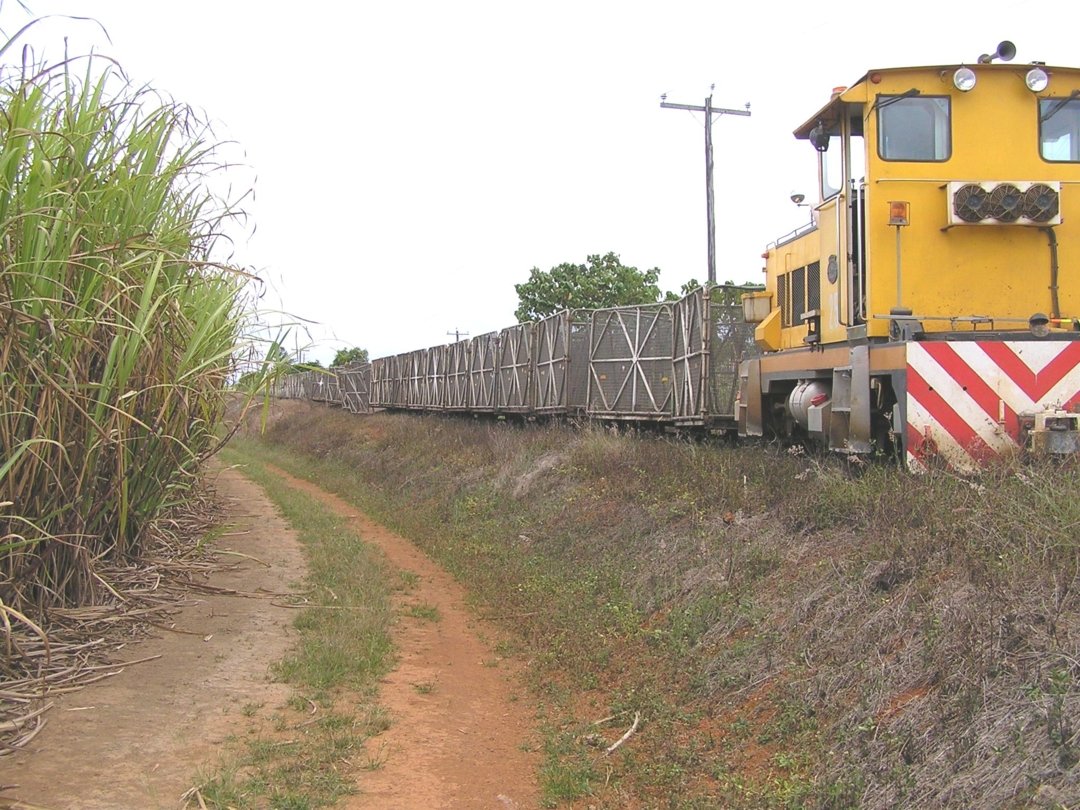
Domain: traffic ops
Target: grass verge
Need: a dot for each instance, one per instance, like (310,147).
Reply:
(793,632)
(308,753)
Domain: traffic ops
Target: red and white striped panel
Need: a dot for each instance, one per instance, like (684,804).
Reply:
(965,397)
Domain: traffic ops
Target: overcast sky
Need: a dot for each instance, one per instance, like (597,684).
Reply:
(412,161)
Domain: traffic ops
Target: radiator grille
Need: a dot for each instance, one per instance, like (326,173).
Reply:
(798,295)
(782,299)
(813,286)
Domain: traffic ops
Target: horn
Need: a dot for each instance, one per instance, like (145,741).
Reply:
(1005,52)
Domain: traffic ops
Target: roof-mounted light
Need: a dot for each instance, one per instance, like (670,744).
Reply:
(963,79)
(1036,80)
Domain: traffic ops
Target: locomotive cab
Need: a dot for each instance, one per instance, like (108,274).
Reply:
(932,307)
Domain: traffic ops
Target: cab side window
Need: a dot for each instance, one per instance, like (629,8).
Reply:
(1059,129)
(914,128)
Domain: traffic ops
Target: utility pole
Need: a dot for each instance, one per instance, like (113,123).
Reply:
(457,334)
(709,111)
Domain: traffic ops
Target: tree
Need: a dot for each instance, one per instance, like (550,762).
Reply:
(728,292)
(604,281)
(353,355)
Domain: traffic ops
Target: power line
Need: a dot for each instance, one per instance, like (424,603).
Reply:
(709,111)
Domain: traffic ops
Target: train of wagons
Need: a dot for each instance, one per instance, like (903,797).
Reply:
(930,310)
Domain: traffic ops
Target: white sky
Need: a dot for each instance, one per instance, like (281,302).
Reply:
(414,160)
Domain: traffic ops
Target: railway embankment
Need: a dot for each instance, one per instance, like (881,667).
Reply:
(777,630)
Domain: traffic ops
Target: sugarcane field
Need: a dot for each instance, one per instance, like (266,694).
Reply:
(317,490)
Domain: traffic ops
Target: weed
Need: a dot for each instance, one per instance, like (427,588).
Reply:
(409,580)
(562,781)
(425,612)
(374,760)
(507,647)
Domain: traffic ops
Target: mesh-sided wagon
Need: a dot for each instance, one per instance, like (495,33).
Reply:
(331,387)
(456,376)
(483,376)
(560,379)
(630,368)
(711,338)
(388,385)
(355,379)
(433,385)
(514,365)
(414,373)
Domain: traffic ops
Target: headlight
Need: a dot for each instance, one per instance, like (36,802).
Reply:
(964,79)
(1036,80)
(1039,325)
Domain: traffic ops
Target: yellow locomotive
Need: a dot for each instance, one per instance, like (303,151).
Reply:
(932,306)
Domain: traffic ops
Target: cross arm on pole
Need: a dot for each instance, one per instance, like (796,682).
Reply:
(708,109)
(693,108)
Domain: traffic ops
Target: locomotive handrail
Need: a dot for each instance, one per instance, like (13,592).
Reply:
(802,230)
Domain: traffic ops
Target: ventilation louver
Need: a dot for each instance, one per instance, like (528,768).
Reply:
(1004,203)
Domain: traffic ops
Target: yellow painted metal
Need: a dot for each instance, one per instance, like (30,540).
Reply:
(998,271)
(767,333)
(951,277)
(833,309)
(815,246)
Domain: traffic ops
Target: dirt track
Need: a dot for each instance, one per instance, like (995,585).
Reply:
(459,744)
(139,739)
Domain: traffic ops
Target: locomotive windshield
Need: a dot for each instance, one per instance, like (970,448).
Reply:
(1059,129)
(914,127)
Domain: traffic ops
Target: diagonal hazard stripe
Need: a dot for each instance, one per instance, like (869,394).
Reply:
(1035,383)
(926,441)
(917,446)
(983,418)
(941,413)
(965,397)
(972,373)
(1057,384)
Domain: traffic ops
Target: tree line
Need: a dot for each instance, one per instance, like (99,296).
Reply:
(602,281)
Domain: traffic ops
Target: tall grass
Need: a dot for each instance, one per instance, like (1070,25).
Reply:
(117,329)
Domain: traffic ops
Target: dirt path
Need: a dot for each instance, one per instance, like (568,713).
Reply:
(137,740)
(457,734)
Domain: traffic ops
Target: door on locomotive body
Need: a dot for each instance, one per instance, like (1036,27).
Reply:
(836,133)
(818,278)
